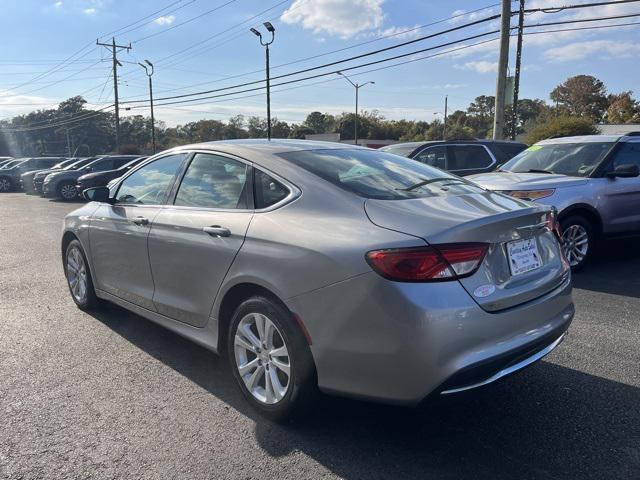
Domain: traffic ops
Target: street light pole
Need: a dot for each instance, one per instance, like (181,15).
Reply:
(357,86)
(272,30)
(153,122)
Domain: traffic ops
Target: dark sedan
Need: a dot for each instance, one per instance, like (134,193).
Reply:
(10,177)
(26,179)
(461,157)
(38,178)
(100,179)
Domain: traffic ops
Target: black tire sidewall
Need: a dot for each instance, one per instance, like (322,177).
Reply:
(302,381)
(91,299)
(583,222)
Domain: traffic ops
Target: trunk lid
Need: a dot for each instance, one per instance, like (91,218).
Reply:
(483,217)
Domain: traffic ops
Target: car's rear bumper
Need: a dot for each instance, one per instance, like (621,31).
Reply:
(400,342)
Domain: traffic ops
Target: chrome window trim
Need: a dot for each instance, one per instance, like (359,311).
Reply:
(491,155)
(294,191)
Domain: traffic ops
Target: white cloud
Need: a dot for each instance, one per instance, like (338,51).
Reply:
(344,18)
(58,4)
(460,16)
(480,66)
(400,32)
(602,48)
(89,11)
(165,20)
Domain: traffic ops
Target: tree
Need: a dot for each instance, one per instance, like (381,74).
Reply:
(320,122)
(454,131)
(564,126)
(280,128)
(300,131)
(480,115)
(623,109)
(257,127)
(581,96)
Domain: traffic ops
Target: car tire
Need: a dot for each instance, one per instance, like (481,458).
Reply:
(260,374)
(76,270)
(67,191)
(578,238)
(6,185)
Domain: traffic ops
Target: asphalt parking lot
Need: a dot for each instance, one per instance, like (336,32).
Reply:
(111,395)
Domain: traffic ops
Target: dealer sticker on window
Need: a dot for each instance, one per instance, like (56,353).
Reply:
(523,256)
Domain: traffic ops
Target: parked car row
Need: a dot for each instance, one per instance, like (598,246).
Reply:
(593,181)
(64,178)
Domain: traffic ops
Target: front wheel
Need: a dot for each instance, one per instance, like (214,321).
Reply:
(76,269)
(271,360)
(67,191)
(578,241)
(5,184)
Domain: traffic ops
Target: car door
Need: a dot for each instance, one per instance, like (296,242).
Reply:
(622,204)
(470,159)
(193,242)
(118,232)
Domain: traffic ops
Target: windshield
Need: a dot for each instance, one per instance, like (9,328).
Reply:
(80,163)
(13,163)
(573,159)
(380,175)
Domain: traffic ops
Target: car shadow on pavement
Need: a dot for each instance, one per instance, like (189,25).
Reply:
(614,269)
(548,421)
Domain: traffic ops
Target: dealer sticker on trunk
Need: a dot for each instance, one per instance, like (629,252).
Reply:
(523,256)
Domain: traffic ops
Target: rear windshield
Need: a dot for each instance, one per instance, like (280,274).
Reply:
(379,175)
(402,149)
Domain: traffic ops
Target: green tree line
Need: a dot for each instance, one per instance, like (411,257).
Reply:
(578,105)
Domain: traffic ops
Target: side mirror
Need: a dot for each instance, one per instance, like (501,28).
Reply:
(97,194)
(628,170)
(88,169)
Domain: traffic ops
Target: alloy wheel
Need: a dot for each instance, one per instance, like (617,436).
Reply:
(68,192)
(262,358)
(575,244)
(5,185)
(77,274)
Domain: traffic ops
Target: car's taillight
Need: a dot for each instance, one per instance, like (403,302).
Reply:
(428,264)
(553,224)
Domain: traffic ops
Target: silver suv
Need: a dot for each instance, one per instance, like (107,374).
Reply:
(591,180)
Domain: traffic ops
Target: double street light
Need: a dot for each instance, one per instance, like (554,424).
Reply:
(272,30)
(357,86)
(149,73)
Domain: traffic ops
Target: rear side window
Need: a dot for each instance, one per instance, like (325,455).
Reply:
(468,157)
(149,185)
(268,191)
(213,181)
(434,156)
(380,175)
(506,151)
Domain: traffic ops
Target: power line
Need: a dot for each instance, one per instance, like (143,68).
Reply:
(34,127)
(185,22)
(355,57)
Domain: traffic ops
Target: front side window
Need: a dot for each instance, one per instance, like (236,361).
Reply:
(150,184)
(213,181)
(628,154)
(574,159)
(268,191)
(379,175)
(434,156)
(468,157)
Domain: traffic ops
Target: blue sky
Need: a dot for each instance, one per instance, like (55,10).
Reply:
(38,34)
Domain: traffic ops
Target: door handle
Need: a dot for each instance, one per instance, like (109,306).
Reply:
(141,221)
(217,231)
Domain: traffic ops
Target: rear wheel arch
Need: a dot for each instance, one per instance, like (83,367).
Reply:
(231,301)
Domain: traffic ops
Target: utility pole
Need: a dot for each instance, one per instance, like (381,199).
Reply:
(271,30)
(153,122)
(444,126)
(503,63)
(114,51)
(68,144)
(516,86)
(357,86)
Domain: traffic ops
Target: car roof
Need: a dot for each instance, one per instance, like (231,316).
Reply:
(262,145)
(582,139)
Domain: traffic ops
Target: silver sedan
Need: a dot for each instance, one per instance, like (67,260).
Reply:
(325,267)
